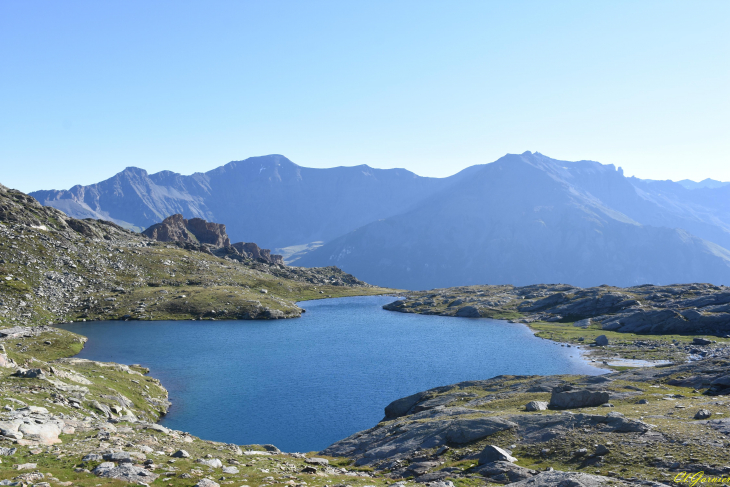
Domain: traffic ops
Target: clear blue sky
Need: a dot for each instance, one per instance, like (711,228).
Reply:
(88,88)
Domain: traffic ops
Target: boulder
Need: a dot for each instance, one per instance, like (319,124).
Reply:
(602,450)
(703,414)
(536,406)
(468,312)
(417,469)
(213,462)
(602,340)
(504,472)
(206,483)
(565,479)
(46,433)
(401,407)
(126,472)
(180,454)
(701,341)
(157,427)
(565,397)
(6,362)
(493,453)
(432,477)
(118,456)
(720,386)
(30,373)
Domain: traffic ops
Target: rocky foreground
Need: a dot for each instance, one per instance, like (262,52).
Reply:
(67,421)
(639,427)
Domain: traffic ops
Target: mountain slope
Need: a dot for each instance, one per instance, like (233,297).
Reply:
(525,219)
(55,268)
(268,200)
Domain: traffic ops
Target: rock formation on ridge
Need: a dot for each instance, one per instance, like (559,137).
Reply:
(208,236)
(175,228)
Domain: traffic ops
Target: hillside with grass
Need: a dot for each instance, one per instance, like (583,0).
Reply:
(54,268)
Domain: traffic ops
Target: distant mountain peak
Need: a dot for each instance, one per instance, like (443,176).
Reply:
(134,170)
(705,183)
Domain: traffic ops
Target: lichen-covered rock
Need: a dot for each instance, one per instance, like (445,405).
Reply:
(566,479)
(703,414)
(493,453)
(401,438)
(206,483)
(468,312)
(504,471)
(211,462)
(126,472)
(566,397)
(536,406)
(45,433)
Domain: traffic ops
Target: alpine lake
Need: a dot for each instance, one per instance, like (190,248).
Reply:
(302,384)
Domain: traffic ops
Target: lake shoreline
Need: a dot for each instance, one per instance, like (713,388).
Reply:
(301,331)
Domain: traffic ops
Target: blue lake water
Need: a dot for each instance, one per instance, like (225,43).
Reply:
(305,383)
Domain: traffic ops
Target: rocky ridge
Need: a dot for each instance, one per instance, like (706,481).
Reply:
(175,228)
(56,269)
(198,234)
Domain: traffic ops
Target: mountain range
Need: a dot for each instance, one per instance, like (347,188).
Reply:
(525,218)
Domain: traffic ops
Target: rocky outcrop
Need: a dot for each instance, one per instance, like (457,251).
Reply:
(426,429)
(676,309)
(253,251)
(568,479)
(504,472)
(58,269)
(566,397)
(126,472)
(175,228)
(536,406)
(476,420)
(493,453)
(198,234)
